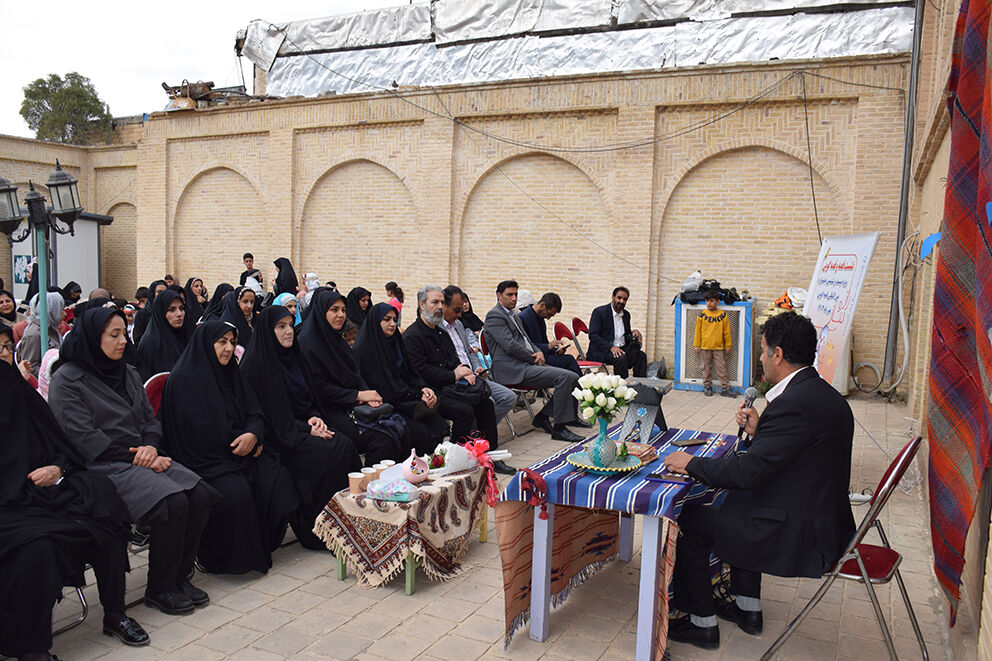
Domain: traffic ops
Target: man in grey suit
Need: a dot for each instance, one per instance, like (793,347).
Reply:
(516,361)
(466,344)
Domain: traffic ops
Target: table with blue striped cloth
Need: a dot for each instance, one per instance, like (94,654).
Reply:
(590,522)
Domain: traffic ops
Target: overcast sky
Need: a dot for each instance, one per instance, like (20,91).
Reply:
(129,50)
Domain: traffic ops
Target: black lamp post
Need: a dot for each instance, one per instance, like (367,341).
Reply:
(65,207)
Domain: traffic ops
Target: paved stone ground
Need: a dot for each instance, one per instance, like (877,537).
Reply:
(300,610)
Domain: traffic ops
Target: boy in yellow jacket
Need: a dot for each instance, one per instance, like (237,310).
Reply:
(712,342)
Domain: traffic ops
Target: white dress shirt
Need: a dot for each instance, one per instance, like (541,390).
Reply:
(456,339)
(780,386)
(617,328)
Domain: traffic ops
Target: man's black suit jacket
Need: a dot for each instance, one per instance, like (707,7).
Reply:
(787,511)
(535,327)
(601,332)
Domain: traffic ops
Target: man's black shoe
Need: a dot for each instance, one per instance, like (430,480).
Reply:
(541,421)
(129,631)
(194,594)
(684,631)
(170,603)
(749,621)
(579,422)
(564,434)
(503,468)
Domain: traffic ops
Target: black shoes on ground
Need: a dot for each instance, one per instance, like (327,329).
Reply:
(503,468)
(170,603)
(563,433)
(684,631)
(542,422)
(749,621)
(194,594)
(127,630)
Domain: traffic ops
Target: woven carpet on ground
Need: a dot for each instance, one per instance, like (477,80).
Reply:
(959,415)
(377,535)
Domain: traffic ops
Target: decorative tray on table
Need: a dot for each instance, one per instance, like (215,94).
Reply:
(583,461)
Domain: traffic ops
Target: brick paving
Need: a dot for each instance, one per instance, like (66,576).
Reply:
(300,610)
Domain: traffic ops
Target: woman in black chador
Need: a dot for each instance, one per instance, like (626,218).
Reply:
(338,386)
(54,518)
(224,445)
(318,457)
(166,335)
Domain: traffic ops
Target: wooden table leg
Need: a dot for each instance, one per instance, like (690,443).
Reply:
(626,536)
(484,524)
(540,577)
(652,546)
(342,567)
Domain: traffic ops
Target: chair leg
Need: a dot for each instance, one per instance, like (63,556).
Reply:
(912,616)
(82,615)
(789,630)
(878,609)
(513,432)
(530,411)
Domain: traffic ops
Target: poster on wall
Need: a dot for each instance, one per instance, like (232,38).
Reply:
(832,296)
(20,262)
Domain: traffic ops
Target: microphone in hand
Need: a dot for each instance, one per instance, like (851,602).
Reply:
(750,395)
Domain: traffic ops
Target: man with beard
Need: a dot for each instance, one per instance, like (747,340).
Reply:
(611,340)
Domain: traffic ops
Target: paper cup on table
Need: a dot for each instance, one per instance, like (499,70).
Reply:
(369,474)
(378,468)
(388,462)
(355,482)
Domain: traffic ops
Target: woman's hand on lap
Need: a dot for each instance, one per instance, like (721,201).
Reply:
(244,444)
(45,476)
(144,455)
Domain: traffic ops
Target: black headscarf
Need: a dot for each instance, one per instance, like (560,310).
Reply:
(71,288)
(33,438)
(131,356)
(279,379)
(162,344)
(144,315)
(220,399)
(32,283)
(232,314)
(323,346)
(82,346)
(194,310)
(286,281)
(12,317)
(213,309)
(383,361)
(470,320)
(356,314)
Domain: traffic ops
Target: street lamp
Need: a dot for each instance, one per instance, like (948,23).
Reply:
(65,207)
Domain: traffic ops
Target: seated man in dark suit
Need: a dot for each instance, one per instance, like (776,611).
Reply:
(611,340)
(533,318)
(516,361)
(786,510)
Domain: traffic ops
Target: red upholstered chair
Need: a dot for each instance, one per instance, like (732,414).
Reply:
(153,389)
(867,563)
(562,332)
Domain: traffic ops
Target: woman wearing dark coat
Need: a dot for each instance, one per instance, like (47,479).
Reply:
(238,309)
(215,305)
(336,382)
(193,293)
(358,303)
(100,402)
(286,280)
(318,457)
(54,518)
(166,336)
(224,445)
(144,316)
(385,366)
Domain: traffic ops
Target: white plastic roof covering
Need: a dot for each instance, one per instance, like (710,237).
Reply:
(720,41)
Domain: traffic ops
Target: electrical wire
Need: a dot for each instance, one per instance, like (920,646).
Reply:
(809,161)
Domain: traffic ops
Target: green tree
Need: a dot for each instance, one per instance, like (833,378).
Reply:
(66,110)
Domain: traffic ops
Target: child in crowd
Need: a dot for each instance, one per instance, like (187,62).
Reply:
(141,297)
(712,343)
(349,332)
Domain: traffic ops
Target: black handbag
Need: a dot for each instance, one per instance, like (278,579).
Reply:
(369,414)
(471,394)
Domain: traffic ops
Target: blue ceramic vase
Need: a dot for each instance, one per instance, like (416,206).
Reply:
(603,451)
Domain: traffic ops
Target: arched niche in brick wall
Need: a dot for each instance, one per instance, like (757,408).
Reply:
(360,228)
(506,234)
(118,256)
(218,218)
(743,217)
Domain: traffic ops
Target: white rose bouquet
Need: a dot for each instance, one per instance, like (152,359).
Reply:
(602,396)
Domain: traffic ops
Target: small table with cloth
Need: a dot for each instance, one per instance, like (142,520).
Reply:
(381,538)
(551,542)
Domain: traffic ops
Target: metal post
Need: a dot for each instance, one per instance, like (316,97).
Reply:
(42,247)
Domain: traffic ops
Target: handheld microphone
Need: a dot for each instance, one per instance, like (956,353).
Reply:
(750,395)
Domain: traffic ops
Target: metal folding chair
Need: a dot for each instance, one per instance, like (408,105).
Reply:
(519,390)
(562,331)
(867,563)
(153,389)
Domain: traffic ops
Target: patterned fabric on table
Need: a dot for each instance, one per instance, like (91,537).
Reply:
(586,523)
(376,535)
(959,416)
